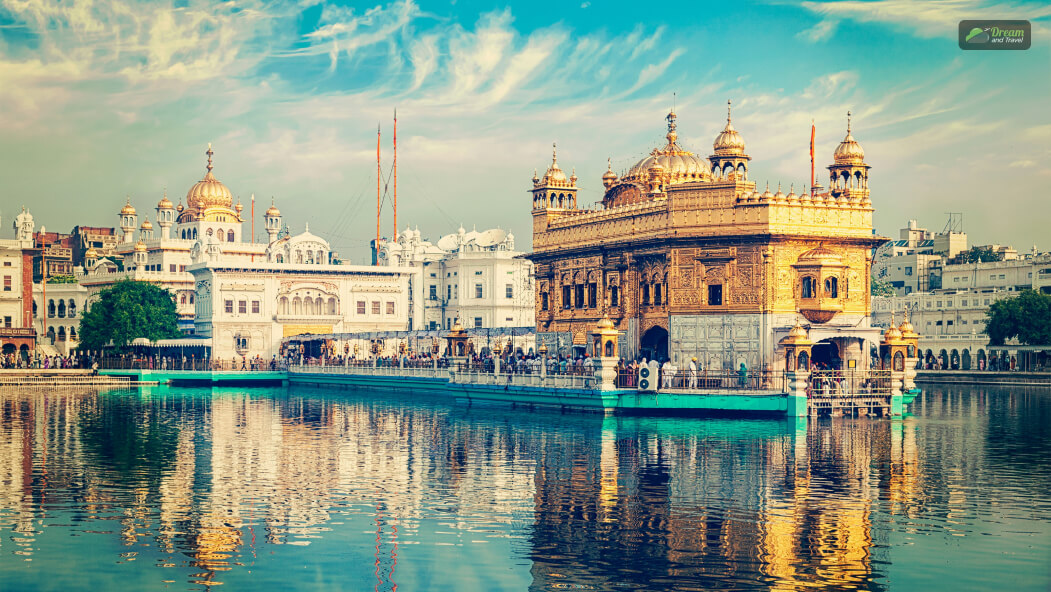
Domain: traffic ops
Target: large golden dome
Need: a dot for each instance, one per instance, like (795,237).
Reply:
(209,190)
(679,166)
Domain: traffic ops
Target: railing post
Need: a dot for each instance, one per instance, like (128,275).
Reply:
(797,381)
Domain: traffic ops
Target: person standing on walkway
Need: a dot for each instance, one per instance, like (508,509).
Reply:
(742,376)
(666,374)
(693,373)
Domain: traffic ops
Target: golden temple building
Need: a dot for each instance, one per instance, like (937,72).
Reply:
(691,259)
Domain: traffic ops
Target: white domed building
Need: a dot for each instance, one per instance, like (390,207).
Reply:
(238,295)
(475,276)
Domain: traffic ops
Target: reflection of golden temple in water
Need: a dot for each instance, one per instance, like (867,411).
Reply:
(607,501)
(780,529)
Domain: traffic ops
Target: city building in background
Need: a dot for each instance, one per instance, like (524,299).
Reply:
(477,277)
(58,308)
(691,259)
(17,335)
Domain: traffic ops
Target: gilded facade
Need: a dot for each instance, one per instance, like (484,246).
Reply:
(691,258)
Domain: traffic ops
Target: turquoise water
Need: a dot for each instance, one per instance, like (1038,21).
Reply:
(302,489)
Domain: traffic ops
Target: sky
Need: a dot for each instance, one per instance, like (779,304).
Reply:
(105,100)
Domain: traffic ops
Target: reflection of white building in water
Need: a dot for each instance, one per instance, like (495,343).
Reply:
(477,277)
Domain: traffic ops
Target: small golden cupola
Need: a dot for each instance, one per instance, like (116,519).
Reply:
(609,178)
(848,173)
(554,191)
(821,285)
(729,161)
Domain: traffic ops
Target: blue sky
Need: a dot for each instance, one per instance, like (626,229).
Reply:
(103,99)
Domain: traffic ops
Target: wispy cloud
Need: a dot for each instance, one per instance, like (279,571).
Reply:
(822,31)
(929,18)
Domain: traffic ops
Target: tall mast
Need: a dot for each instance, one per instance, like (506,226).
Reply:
(377,190)
(813,131)
(395,174)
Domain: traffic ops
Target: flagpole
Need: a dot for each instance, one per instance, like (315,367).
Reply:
(813,130)
(395,174)
(378,174)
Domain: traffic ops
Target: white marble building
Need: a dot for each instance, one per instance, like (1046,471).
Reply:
(246,309)
(477,277)
(57,313)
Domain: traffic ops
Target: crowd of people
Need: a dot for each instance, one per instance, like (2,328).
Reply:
(38,361)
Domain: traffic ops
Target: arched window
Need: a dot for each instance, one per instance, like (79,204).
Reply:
(804,360)
(222,235)
(72,333)
(61,309)
(319,306)
(61,333)
(72,309)
(832,287)
(34,309)
(299,256)
(230,236)
(209,232)
(283,305)
(280,258)
(297,306)
(807,287)
(51,335)
(332,306)
(182,298)
(320,257)
(51,309)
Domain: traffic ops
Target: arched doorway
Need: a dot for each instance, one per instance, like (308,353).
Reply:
(654,344)
(9,348)
(24,351)
(965,359)
(825,355)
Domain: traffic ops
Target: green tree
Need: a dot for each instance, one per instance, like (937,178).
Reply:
(126,311)
(881,288)
(977,255)
(1026,316)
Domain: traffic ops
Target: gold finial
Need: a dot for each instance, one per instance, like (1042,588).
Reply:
(848,122)
(554,153)
(209,152)
(892,324)
(609,164)
(728,111)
